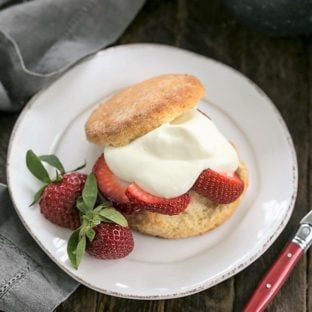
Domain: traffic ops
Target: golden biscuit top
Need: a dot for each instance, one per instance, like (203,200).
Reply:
(142,107)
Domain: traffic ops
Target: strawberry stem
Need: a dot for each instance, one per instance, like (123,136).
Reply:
(79,167)
(38,195)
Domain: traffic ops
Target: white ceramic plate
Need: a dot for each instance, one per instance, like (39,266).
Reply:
(53,122)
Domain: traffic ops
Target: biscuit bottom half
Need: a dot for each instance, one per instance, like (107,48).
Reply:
(201,215)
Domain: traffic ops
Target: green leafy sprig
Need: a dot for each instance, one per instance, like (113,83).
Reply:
(90,217)
(35,165)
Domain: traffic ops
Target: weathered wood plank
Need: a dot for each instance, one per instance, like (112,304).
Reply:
(107,303)
(83,299)
(279,67)
(309,172)
(156,23)
(218,298)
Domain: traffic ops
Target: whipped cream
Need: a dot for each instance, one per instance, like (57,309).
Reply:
(167,161)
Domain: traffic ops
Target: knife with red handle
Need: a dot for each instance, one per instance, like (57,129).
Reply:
(279,272)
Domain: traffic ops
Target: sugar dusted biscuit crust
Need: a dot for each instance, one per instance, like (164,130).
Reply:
(200,216)
(143,107)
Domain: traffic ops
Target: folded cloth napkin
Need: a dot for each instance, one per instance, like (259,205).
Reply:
(39,40)
(29,280)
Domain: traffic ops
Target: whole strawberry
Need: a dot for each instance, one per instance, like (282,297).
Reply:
(104,232)
(58,201)
(111,241)
(57,198)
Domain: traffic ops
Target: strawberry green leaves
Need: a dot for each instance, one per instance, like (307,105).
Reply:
(89,193)
(86,202)
(90,218)
(81,247)
(53,161)
(35,165)
(90,234)
(38,195)
(113,215)
(81,205)
(76,247)
(72,246)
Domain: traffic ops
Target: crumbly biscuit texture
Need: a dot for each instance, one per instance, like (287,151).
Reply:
(200,216)
(140,108)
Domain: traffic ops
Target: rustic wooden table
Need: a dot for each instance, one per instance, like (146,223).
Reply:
(283,69)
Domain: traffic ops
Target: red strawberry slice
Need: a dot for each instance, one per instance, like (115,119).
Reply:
(112,187)
(219,188)
(109,185)
(127,208)
(169,206)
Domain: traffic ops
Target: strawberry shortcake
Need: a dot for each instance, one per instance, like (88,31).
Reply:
(165,164)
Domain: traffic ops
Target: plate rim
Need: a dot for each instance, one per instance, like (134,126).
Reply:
(205,284)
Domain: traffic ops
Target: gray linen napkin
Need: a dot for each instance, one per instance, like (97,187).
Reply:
(29,280)
(39,39)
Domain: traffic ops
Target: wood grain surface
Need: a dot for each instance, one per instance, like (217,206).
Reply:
(282,67)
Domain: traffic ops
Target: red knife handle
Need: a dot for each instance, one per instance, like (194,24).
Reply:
(275,278)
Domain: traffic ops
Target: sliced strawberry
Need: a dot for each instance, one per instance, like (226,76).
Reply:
(219,188)
(127,208)
(169,206)
(109,185)
(112,187)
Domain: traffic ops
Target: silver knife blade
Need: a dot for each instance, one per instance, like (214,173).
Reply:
(303,236)
(307,218)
